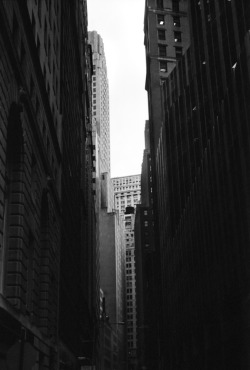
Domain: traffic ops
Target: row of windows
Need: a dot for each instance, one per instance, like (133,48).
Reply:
(162,49)
(130,309)
(129,259)
(127,187)
(34,97)
(130,271)
(163,64)
(161,20)
(129,253)
(123,181)
(162,35)
(131,304)
(129,234)
(130,296)
(128,193)
(129,265)
(130,277)
(129,198)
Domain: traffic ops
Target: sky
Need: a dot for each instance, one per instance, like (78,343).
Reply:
(120,24)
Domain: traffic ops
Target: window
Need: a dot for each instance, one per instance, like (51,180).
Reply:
(164,69)
(177,21)
(160,19)
(175,5)
(177,36)
(161,35)
(160,4)
(162,50)
(178,52)
(145,213)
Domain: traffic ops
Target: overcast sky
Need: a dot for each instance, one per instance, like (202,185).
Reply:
(120,24)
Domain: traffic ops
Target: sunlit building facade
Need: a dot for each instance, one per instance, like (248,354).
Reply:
(127,192)
(109,236)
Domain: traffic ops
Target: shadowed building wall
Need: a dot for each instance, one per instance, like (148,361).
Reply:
(201,157)
(33,201)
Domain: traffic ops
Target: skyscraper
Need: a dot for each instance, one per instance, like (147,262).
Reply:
(43,208)
(200,151)
(127,194)
(100,106)
(147,280)
(109,227)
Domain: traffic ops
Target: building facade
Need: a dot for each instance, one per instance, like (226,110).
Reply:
(109,226)
(37,167)
(112,277)
(147,276)
(30,190)
(78,309)
(130,273)
(127,192)
(199,147)
(100,113)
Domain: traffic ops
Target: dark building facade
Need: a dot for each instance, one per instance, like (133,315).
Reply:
(77,310)
(200,158)
(46,215)
(147,280)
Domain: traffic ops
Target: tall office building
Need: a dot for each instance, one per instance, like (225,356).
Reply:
(78,304)
(43,214)
(101,99)
(147,281)
(166,24)
(131,310)
(109,226)
(100,113)
(166,28)
(200,151)
(112,278)
(127,194)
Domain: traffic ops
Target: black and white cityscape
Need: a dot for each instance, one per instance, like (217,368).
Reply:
(146,271)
